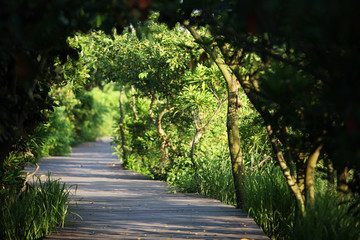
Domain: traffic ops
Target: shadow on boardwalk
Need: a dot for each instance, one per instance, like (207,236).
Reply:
(120,204)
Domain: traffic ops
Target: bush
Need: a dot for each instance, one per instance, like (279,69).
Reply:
(94,116)
(107,101)
(58,134)
(79,117)
(214,179)
(33,214)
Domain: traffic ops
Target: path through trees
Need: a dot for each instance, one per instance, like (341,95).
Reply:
(115,203)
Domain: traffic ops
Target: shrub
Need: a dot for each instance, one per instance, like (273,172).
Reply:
(33,214)
(58,134)
(79,117)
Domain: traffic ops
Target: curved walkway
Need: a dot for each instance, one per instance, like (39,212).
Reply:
(120,204)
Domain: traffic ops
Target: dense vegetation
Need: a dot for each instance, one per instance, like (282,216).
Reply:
(229,102)
(36,212)
(30,210)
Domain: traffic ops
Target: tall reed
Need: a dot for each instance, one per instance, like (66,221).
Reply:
(269,201)
(36,212)
(331,217)
(272,205)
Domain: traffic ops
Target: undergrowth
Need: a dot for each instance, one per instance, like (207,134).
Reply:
(272,205)
(269,201)
(330,218)
(34,213)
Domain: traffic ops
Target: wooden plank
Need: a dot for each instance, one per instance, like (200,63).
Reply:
(120,204)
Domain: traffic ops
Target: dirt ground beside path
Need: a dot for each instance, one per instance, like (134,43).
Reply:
(115,203)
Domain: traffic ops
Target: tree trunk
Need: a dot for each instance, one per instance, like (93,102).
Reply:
(232,117)
(157,123)
(133,104)
(310,175)
(234,139)
(300,177)
(121,125)
(290,180)
(198,135)
(231,61)
(343,181)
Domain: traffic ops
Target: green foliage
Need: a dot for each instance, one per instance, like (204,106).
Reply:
(307,80)
(78,118)
(59,134)
(331,217)
(269,201)
(107,104)
(86,118)
(33,45)
(36,212)
(216,179)
(307,85)
(158,67)
(11,178)
(271,204)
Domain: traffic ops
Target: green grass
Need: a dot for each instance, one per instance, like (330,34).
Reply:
(330,218)
(272,205)
(36,212)
(214,179)
(269,201)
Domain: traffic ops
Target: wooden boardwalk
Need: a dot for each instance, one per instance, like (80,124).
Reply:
(120,204)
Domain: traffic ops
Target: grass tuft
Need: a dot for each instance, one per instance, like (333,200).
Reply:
(36,212)
(270,202)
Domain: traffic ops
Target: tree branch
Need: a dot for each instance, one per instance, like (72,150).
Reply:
(23,189)
(214,114)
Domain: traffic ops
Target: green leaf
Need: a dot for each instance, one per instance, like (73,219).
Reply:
(143,75)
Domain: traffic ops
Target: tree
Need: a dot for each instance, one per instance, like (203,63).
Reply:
(197,99)
(305,97)
(153,65)
(156,65)
(232,113)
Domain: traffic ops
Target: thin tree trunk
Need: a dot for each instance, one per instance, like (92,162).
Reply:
(157,123)
(232,117)
(343,180)
(266,116)
(133,104)
(23,189)
(300,176)
(310,175)
(234,139)
(198,135)
(290,180)
(121,125)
